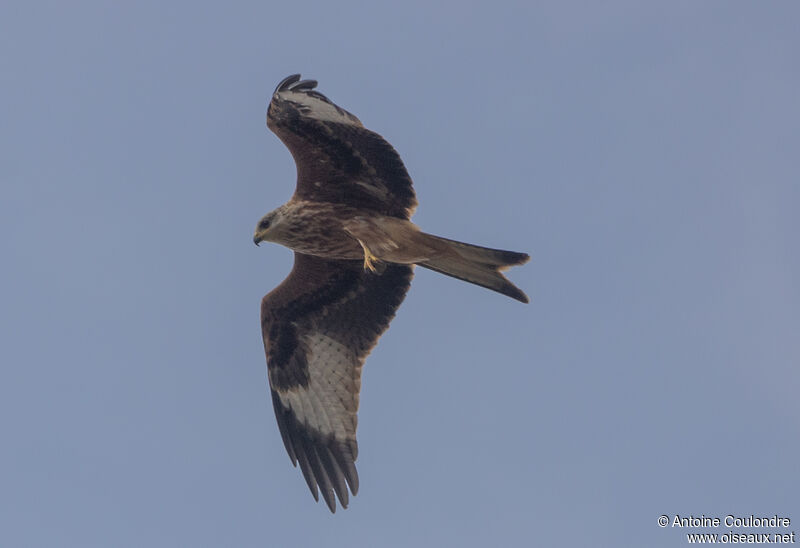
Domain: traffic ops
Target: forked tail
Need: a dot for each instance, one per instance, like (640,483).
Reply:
(478,265)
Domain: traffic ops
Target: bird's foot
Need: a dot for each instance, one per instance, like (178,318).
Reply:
(369,258)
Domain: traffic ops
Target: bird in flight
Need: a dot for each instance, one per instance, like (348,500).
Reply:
(354,251)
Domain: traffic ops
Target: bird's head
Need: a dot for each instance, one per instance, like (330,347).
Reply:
(266,226)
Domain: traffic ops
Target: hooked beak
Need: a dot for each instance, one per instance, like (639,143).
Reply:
(256,239)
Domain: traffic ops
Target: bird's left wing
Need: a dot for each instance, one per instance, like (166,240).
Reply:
(338,159)
(318,326)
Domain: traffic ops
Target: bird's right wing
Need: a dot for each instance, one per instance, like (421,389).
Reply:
(318,326)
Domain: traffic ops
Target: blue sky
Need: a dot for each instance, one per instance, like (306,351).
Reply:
(646,156)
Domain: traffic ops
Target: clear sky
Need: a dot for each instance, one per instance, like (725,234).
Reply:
(645,155)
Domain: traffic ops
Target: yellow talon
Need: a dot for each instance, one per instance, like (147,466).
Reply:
(368,258)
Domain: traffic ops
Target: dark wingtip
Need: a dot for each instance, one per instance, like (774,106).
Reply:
(330,500)
(303,85)
(286,82)
(294,83)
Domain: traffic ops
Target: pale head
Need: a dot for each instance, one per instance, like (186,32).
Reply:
(267,227)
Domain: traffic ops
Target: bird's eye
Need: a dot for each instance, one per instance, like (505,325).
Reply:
(263,225)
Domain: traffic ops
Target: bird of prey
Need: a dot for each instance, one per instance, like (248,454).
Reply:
(354,251)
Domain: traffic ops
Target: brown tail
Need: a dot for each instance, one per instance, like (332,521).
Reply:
(478,265)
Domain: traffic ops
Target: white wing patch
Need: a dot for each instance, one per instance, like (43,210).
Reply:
(318,109)
(330,401)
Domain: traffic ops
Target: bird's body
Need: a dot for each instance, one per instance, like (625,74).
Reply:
(314,228)
(335,231)
(348,223)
